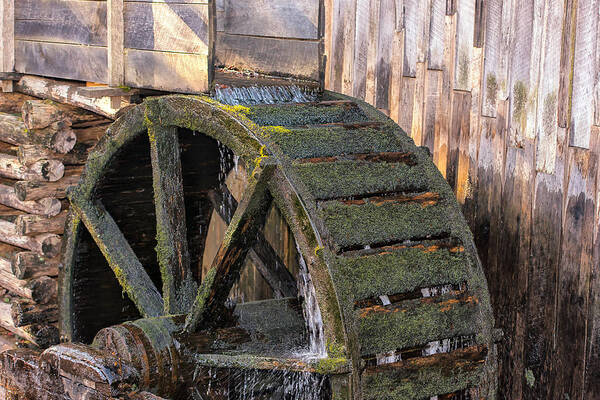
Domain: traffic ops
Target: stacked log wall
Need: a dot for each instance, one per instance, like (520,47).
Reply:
(506,95)
(43,146)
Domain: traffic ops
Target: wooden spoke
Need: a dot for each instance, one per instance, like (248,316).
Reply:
(120,256)
(262,254)
(171,235)
(239,238)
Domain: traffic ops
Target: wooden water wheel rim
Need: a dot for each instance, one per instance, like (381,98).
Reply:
(353,316)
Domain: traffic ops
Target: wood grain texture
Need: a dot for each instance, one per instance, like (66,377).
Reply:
(273,18)
(371,83)
(387,23)
(566,63)
(464,44)
(436,35)
(182,28)
(493,43)
(299,58)
(185,73)
(83,63)
(411,32)
(361,48)
(59,21)
(7,51)
(547,110)
(584,73)
(348,29)
(116,29)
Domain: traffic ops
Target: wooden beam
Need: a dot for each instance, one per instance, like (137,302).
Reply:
(128,270)
(115,24)
(67,92)
(264,257)
(7,44)
(229,260)
(171,232)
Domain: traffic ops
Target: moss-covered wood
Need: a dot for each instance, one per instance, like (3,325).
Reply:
(127,268)
(372,217)
(171,235)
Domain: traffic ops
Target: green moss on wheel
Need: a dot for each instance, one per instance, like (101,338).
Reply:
(416,322)
(361,225)
(305,114)
(354,178)
(330,141)
(399,271)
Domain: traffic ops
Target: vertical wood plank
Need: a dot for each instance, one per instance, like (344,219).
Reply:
(436,35)
(116,29)
(411,32)
(547,111)
(433,91)
(407,97)
(7,44)
(423,19)
(574,275)
(348,22)
(493,52)
(566,63)
(327,39)
(361,48)
(464,44)
(584,73)
(337,45)
(440,155)
(592,361)
(597,75)
(519,71)
(371,83)
(396,75)
(479,32)
(547,217)
(416,131)
(387,24)
(534,68)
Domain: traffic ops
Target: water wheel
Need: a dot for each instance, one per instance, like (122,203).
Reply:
(384,257)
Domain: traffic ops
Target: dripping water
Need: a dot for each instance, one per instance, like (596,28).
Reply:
(264,94)
(312,314)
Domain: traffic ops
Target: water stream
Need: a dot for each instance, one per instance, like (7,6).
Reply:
(264,94)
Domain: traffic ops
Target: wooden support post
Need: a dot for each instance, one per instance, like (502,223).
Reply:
(7,44)
(116,69)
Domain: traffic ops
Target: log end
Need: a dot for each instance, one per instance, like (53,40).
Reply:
(50,245)
(50,206)
(64,140)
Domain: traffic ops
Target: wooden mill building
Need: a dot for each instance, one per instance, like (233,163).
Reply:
(504,94)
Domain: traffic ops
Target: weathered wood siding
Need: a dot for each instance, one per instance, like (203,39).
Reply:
(158,45)
(505,94)
(278,37)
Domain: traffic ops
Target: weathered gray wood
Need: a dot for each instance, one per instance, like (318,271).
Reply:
(116,37)
(82,63)
(61,21)
(493,42)
(436,35)
(423,30)
(371,83)
(361,48)
(43,170)
(239,238)
(264,257)
(177,72)
(47,244)
(104,91)
(385,41)
(33,224)
(171,232)
(30,191)
(39,114)
(299,58)
(464,44)
(118,253)
(274,18)
(584,73)
(520,68)
(547,110)
(31,153)
(46,206)
(67,92)
(411,32)
(167,27)
(28,264)
(7,50)
(58,136)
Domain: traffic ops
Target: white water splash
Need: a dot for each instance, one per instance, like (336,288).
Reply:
(264,94)
(312,314)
